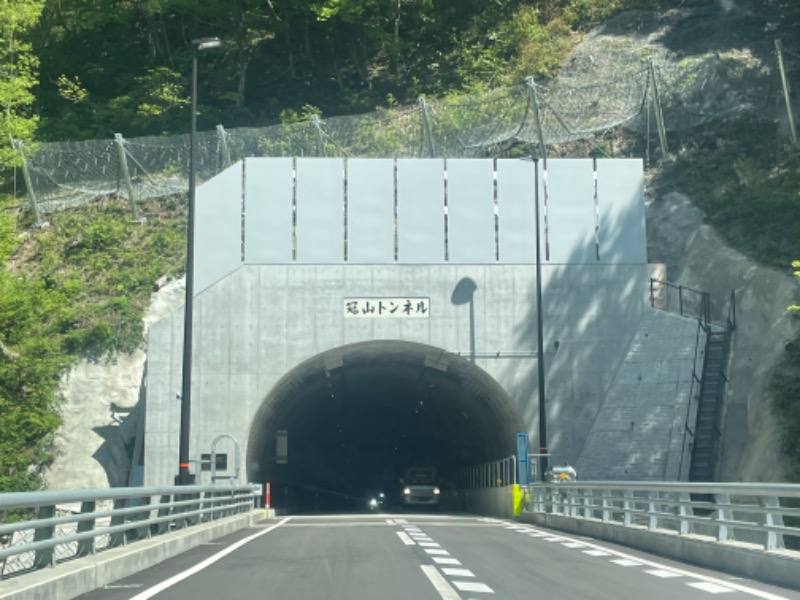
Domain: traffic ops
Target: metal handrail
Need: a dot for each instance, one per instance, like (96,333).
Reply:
(718,510)
(57,537)
(496,473)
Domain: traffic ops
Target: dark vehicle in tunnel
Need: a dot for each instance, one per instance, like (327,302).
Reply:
(420,487)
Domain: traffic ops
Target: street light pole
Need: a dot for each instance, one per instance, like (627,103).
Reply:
(540,338)
(184,477)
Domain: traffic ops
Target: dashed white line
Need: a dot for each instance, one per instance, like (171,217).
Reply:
(716,582)
(597,552)
(626,562)
(663,573)
(574,545)
(404,538)
(711,588)
(457,572)
(469,586)
(442,560)
(436,551)
(553,539)
(440,584)
(429,544)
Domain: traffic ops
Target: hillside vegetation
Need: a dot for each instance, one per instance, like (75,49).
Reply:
(78,288)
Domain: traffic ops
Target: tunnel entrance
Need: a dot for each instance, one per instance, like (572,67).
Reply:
(355,417)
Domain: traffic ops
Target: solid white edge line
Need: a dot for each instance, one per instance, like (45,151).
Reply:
(439,583)
(650,563)
(404,537)
(168,583)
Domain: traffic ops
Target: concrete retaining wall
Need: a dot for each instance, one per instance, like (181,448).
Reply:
(490,502)
(743,560)
(73,578)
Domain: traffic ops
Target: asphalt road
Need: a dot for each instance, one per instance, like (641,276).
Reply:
(425,557)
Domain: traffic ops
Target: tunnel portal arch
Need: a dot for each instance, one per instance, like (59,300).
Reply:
(358,414)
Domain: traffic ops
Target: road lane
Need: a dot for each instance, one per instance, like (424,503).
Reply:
(426,557)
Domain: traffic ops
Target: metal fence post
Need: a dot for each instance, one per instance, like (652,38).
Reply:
(26,175)
(320,139)
(426,126)
(224,150)
(537,116)
(123,163)
(662,131)
(786,98)
(606,504)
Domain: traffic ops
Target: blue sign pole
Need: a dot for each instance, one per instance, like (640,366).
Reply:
(523,468)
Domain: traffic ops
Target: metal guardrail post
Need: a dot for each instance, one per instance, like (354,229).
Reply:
(652,509)
(118,538)
(45,557)
(87,547)
(685,510)
(774,539)
(607,504)
(722,516)
(628,504)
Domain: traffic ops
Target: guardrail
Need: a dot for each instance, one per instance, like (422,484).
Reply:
(40,529)
(496,473)
(757,514)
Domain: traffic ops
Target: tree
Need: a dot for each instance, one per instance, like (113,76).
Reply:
(18,72)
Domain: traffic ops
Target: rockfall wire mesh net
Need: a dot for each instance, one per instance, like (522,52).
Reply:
(607,83)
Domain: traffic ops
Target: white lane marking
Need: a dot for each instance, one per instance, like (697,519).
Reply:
(711,588)
(437,551)
(468,586)
(457,572)
(663,573)
(429,544)
(405,539)
(626,562)
(538,534)
(439,583)
(574,545)
(597,553)
(400,521)
(123,586)
(722,583)
(553,539)
(442,560)
(168,583)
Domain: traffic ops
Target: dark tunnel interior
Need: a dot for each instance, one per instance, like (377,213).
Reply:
(356,417)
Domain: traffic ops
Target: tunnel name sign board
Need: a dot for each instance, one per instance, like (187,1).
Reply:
(387,308)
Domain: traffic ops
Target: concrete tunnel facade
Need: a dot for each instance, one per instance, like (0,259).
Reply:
(371,314)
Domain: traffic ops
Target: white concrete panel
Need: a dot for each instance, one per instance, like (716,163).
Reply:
(620,197)
(269,191)
(218,228)
(320,211)
(470,210)
(516,195)
(571,216)
(420,210)
(370,211)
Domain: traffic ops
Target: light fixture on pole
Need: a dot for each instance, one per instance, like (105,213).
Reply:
(184,477)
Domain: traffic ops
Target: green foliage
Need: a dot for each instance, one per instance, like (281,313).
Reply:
(80,292)
(785,390)
(18,72)
(751,199)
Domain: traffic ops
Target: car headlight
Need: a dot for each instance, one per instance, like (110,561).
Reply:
(407,491)
(436,491)
(373,503)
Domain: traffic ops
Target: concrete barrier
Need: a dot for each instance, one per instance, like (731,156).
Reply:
(778,567)
(497,502)
(73,578)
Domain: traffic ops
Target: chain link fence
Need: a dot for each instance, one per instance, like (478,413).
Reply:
(608,84)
